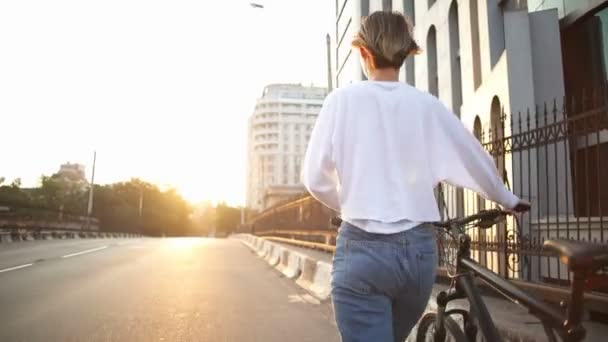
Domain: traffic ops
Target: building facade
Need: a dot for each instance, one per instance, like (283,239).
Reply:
(520,75)
(279,130)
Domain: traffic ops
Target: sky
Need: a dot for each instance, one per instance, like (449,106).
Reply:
(160,89)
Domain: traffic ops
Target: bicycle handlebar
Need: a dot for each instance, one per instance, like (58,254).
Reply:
(487,218)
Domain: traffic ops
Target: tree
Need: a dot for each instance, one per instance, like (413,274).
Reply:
(16,183)
(13,194)
(60,193)
(227,219)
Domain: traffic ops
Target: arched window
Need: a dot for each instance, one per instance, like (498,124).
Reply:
(410,66)
(497,134)
(431,50)
(475,43)
(455,58)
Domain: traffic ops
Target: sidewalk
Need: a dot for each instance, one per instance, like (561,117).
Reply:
(513,321)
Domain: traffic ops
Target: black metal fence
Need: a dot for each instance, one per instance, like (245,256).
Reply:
(557,158)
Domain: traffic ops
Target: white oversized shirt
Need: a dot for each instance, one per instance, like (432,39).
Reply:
(378,150)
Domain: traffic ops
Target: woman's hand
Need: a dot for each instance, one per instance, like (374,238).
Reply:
(521,207)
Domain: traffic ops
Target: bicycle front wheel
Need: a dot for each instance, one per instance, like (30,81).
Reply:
(427,331)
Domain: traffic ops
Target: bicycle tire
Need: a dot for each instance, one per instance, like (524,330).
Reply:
(452,329)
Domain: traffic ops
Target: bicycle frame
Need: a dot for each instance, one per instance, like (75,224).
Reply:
(567,325)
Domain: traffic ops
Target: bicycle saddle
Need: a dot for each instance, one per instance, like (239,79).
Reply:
(579,254)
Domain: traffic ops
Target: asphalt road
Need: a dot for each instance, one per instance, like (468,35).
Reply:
(188,289)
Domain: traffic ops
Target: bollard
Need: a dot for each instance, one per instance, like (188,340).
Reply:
(15,236)
(271,248)
(5,237)
(283,259)
(275,255)
(309,267)
(27,236)
(321,284)
(293,265)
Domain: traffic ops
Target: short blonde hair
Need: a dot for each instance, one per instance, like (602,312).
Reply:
(388,36)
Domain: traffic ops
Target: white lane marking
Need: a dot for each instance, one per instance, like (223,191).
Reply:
(85,252)
(15,268)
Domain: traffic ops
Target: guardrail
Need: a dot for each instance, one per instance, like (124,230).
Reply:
(26,224)
(594,301)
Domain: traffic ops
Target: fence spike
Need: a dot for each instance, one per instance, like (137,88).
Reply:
(528,119)
(546,113)
(554,110)
(519,121)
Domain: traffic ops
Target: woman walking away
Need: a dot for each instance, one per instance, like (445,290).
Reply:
(377,151)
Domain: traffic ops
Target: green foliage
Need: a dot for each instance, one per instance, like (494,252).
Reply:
(117,206)
(226,219)
(13,193)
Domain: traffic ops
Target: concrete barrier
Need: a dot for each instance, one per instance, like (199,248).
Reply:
(275,255)
(293,268)
(264,248)
(271,253)
(46,235)
(258,244)
(283,260)
(16,236)
(309,267)
(321,284)
(268,250)
(27,236)
(5,237)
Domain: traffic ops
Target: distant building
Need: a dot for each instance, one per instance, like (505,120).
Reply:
(279,130)
(72,172)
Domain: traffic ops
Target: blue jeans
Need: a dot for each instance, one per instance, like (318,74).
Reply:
(381,283)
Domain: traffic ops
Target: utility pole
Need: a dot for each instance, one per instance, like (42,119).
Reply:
(141,207)
(329,81)
(90,206)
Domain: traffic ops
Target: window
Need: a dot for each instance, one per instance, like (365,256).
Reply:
(475,43)
(455,58)
(410,66)
(431,2)
(387,5)
(433,79)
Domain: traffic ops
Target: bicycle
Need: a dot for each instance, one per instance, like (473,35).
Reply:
(583,260)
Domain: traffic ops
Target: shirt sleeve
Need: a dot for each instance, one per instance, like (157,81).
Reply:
(319,174)
(462,161)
